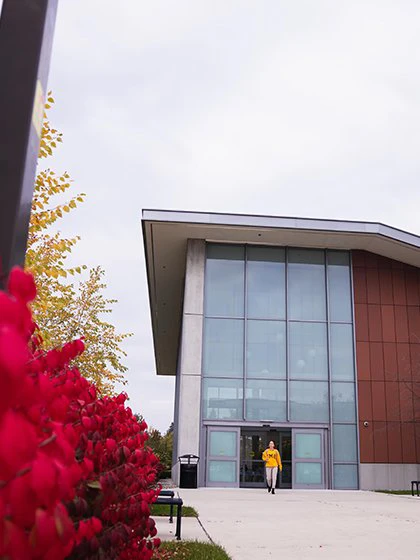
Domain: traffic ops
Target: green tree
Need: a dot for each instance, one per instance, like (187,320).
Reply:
(161,446)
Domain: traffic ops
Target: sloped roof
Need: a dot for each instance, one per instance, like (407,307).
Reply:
(165,236)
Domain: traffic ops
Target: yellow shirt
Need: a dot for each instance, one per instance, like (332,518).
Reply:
(272,458)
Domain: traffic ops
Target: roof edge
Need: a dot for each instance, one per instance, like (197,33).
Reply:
(281,222)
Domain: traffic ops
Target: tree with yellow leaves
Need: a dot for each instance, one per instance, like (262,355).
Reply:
(63,310)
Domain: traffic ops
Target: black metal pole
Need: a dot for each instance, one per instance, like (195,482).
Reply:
(26,34)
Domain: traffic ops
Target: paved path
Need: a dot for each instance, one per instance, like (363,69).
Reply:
(301,525)
(191,530)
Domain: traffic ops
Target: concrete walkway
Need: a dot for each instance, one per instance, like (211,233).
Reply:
(298,524)
(191,530)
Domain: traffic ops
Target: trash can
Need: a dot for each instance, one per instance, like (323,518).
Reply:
(188,471)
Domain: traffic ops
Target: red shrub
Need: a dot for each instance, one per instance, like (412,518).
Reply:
(75,478)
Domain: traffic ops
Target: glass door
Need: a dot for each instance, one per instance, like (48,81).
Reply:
(252,468)
(253,444)
(222,457)
(285,448)
(309,458)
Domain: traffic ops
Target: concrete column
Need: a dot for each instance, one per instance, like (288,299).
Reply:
(191,343)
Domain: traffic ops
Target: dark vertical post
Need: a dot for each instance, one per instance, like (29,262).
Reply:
(26,34)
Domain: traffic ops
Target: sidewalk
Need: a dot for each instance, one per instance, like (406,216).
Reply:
(191,529)
(299,524)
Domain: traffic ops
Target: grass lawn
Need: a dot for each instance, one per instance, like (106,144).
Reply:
(159,510)
(191,550)
(397,492)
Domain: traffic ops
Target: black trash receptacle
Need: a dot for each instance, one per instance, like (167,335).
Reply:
(188,471)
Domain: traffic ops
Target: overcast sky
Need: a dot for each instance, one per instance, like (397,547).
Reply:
(307,108)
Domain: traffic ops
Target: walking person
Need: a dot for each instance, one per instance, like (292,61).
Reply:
(272,460)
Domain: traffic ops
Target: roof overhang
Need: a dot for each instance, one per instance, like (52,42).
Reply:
(165,235)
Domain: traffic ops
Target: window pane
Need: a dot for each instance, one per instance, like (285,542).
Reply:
(344,443)
(223,443)
(308,350)
(345,476)
(308,473)
(266,349)
(225,280)
(309,401)
(339,286)
(342,359)
(265,400)
(222,471)
(308,446)
(266,283)
(306,285)
(223,347)
(343,402)
(223,399)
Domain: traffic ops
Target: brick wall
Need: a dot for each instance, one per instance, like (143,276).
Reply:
(387,324)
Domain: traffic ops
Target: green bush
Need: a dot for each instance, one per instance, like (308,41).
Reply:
(161,445)
(165,474)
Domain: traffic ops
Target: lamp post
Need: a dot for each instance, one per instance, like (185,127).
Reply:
(26,34)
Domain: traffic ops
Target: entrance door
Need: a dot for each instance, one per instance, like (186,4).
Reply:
(308,458)
(222,457)
(253,443)
(285,448)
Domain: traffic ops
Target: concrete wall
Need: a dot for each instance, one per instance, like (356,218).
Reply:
(382,476)
(188,383)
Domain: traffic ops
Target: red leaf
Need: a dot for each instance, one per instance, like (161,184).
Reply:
(16,545)
(14,354)
(44,479)
(18,443)
(22,501)
(44,534)
(21,284)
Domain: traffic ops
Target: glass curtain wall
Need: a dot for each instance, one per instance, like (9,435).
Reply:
(278,342)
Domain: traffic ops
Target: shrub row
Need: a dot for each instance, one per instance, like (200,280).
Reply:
(76,480)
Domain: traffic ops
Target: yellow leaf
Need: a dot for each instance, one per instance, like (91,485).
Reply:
(61,307)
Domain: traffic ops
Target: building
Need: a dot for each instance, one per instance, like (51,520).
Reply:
(303,331)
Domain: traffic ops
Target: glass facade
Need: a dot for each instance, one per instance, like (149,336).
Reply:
(265,400)
(278,346)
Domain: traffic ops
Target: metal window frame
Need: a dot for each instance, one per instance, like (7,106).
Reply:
(225,459)
(330,446)
(203,340)
(266,420)
(323,460)
(288,424)
(355,367)
(240,386)
(282,322)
